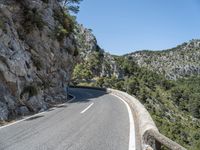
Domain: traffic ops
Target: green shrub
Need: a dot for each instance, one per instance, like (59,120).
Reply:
(196,146)
(69,22)
(32,18)
(65,20)
(133,86)
(61,33)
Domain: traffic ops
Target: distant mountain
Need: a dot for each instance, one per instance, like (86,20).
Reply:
(181,61)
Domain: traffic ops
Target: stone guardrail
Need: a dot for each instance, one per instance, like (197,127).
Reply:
(147,132)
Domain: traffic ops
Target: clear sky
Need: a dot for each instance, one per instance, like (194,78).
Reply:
(123,26)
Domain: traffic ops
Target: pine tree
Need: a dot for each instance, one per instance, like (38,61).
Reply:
(71,5)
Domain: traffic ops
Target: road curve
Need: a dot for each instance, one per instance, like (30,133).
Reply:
(93,121)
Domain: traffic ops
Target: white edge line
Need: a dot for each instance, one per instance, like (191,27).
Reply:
(87,108)
(10,124)
(132,125)
(25,118)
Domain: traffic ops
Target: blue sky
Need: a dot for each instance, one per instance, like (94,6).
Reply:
(123,26)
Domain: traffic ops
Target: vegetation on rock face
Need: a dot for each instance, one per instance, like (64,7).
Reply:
(87,69)
(71,5)
(32,18)
(61,33)
(67,23)
(81,72)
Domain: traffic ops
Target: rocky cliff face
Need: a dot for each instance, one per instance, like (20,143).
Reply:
(101,63)
(37,54)
(181,61)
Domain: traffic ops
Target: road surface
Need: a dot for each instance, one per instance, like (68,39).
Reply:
(93,121)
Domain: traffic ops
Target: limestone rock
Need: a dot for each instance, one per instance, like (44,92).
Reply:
(35,104)
(3,111)
(33,62)
(23,110)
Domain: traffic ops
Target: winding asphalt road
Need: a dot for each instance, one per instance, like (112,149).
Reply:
(93,121)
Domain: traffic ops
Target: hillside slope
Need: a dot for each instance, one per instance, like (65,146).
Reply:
(181,61)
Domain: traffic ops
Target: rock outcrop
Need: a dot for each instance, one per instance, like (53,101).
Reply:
(101,63)
(36,56)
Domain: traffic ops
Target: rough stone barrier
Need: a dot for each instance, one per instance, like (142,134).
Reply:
(147,134)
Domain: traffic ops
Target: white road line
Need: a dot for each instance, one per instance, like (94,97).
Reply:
(87,108)
(10,124)
(132,125)
(28,117)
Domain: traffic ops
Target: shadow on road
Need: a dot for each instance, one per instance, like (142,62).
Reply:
(35,117)
(61,106)
(84,95)
(51,109)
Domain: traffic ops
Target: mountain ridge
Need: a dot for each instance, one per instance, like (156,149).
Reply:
(162,50)
(177,62)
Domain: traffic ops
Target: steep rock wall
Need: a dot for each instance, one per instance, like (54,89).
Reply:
(34,64)
(101,63)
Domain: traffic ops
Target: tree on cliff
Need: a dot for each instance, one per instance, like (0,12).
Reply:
(71,5)
(81,72)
